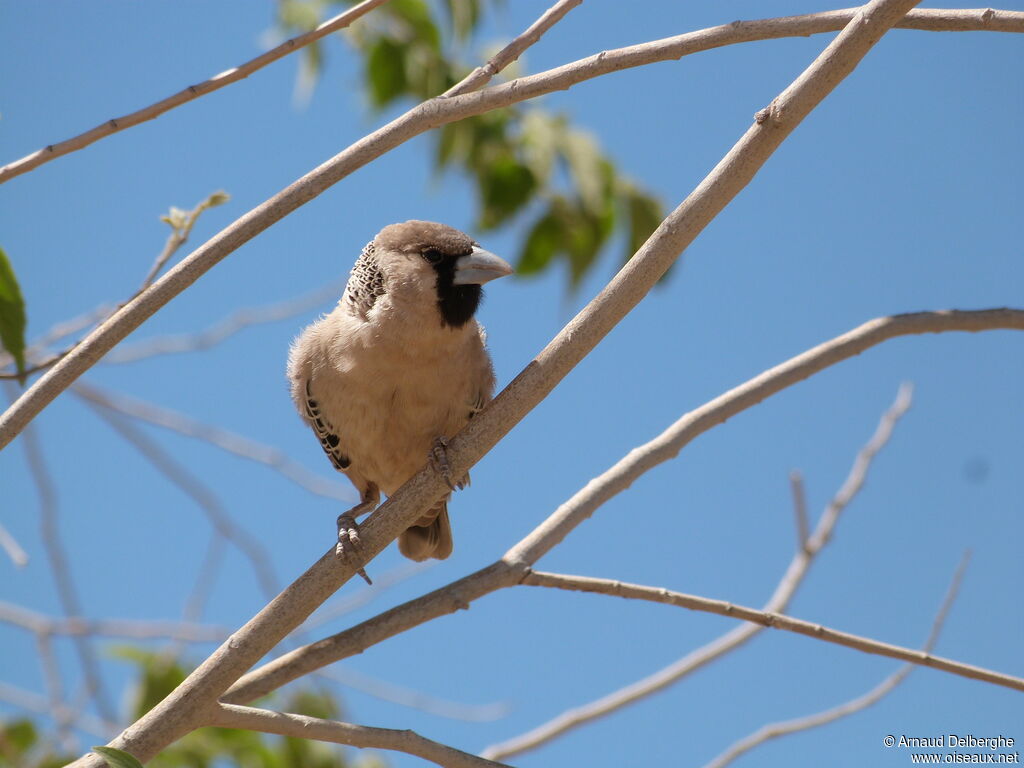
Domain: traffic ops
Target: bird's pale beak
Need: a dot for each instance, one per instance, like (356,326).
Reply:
(480,267)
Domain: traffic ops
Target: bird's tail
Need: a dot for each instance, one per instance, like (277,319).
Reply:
(430,537)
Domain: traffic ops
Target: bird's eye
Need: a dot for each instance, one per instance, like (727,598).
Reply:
(432,255)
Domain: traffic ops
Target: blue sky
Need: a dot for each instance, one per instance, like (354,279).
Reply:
(902,192)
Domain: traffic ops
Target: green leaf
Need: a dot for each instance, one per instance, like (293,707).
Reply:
(645,214)
(463,16)
(587,167)
(117,758)
(385,72)
(506,185)
(12,315)
(18,737)
(542,244)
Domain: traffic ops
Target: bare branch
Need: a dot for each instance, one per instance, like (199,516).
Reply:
(33,702)
(784,728)
(62,714)
(855,481)
(303,727)
(221,438)
(349,603)
(796,486)
(731,640)
(223,329)
(216,82)
(13,549)
(127,628)
(250,547)
(66,590)
(181,224)
(507,571)
(408,697)
(756,146)
(482,75)
(773,621)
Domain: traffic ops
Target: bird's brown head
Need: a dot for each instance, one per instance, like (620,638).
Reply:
(442,258)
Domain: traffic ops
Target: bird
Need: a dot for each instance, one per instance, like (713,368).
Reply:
(399,366)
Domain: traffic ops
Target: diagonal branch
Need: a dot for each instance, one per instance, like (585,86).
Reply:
(228,326)
(178,474)
(231,442)
(216,82)
(482,75)
(440,111)
(771,620)
(506,572)
(303,727)
(876,694)
(927,19)
(14,550)
(131,628)
(808,547)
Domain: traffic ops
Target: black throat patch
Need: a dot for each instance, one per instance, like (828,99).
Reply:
(456,303)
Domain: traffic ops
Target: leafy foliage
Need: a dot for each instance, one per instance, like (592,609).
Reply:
(530,168)
(12,315)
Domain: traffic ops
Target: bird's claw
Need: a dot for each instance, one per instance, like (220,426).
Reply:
(348,548)
(439,460)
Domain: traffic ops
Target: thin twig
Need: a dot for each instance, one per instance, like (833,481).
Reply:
(303,727)
(785,590)
(796,487)
(250,547)
(223,329)
(13,549)
(408,697)
(134,629)
(786,727)
(773,621)
(441,111)
(221,438)
(33,702)
(67,592)
(346,604)
(482,75)
(62,715)
(181,224)
(216,82)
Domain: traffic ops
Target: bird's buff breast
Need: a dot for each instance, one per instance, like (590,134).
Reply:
(389,404)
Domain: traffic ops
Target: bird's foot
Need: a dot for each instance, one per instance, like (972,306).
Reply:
(439,461)
(348,548)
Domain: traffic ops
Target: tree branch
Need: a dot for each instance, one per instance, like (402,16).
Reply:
(773,621)
(231,442)
(303,727)
(177,474)
(481,76)
(216,82)
(440,111)
(731,640)
(10,545)
(876,694)
(508,571)
(129,628)
(67,592)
